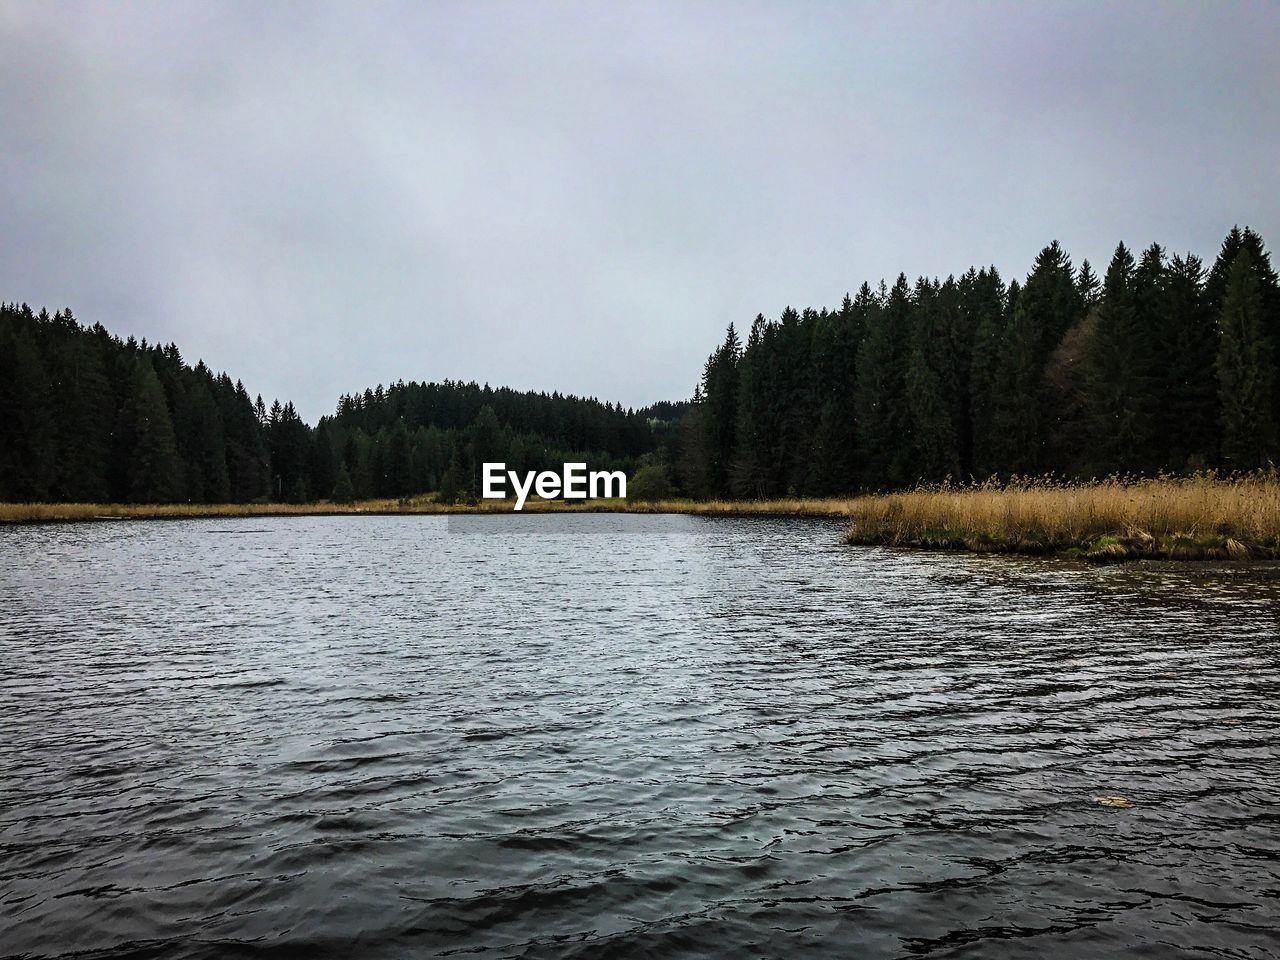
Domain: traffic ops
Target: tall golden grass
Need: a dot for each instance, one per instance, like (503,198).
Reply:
(1201,516)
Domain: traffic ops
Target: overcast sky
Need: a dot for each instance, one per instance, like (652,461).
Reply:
(321,197)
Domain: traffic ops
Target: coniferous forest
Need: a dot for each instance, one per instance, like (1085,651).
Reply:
(1155,364)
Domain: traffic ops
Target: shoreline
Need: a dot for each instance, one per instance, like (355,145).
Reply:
(21,514)
(1191,518)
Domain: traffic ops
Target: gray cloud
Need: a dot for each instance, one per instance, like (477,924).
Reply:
(581,196)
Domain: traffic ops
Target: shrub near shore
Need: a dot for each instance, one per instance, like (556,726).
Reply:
(1198,517)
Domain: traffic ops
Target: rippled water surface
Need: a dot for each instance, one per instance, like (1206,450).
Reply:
(379,737)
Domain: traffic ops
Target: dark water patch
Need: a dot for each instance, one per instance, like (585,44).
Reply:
(367,737)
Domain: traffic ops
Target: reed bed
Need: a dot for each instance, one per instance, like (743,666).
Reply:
(1197,517)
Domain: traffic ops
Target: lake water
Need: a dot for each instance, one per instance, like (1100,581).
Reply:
(387,736)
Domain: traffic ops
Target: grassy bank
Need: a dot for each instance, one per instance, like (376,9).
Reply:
(1195,518)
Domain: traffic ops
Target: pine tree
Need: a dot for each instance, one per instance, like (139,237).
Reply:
(247,469)
(835,374)
(982,299)
(356,457)
(755,433)
(399,463)
(207,479)
(1088,286)
(26,437)
(322,478)
(881,393)
(1188,410)
(1246,371)
(1016,435)
(1049,303)
(720,412)
(450,486)
(154,472)
(343,491)
(488,444)
(929,387)
(1119,387)
(83,410)
(797,410)
(1066,388)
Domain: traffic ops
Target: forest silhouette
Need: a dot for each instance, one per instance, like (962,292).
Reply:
(1158,365)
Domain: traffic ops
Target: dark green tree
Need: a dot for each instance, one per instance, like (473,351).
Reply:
(155,471)
(1246,371)
(720,412)
(884,425)
(26,429)
(1188,414)
(930,383)
(1118,378)
(83,411)
(982,299)
(204,448)
(343,491)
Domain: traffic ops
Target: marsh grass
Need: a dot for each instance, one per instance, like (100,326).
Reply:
(1182,518)
(1198,517)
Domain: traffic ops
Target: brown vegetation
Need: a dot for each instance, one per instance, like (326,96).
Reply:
(1199,517)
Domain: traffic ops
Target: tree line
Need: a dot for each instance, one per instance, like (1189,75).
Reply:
(1158,365)
(88,417)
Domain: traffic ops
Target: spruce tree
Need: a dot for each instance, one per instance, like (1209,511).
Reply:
(247,469)
(343,491)
(1246,371)
(1016,435)
(399,463)
(982,299)
(207,479)
(835,357)
(755,434)
(930,383)
(1088,285)
(154,471)
(488,443)
(720,412)
(881,394)
(1119,389)
(321,479)
(83,410)
(1049,303)
(26,429)
(1188,413)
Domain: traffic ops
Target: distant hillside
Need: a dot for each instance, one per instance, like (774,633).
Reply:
(86,416)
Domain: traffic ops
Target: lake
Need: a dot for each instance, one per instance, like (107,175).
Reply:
(650,737)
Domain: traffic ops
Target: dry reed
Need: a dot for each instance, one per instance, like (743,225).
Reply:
(1197,517)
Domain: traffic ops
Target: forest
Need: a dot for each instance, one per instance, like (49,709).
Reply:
(1159,365)
(88,417)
